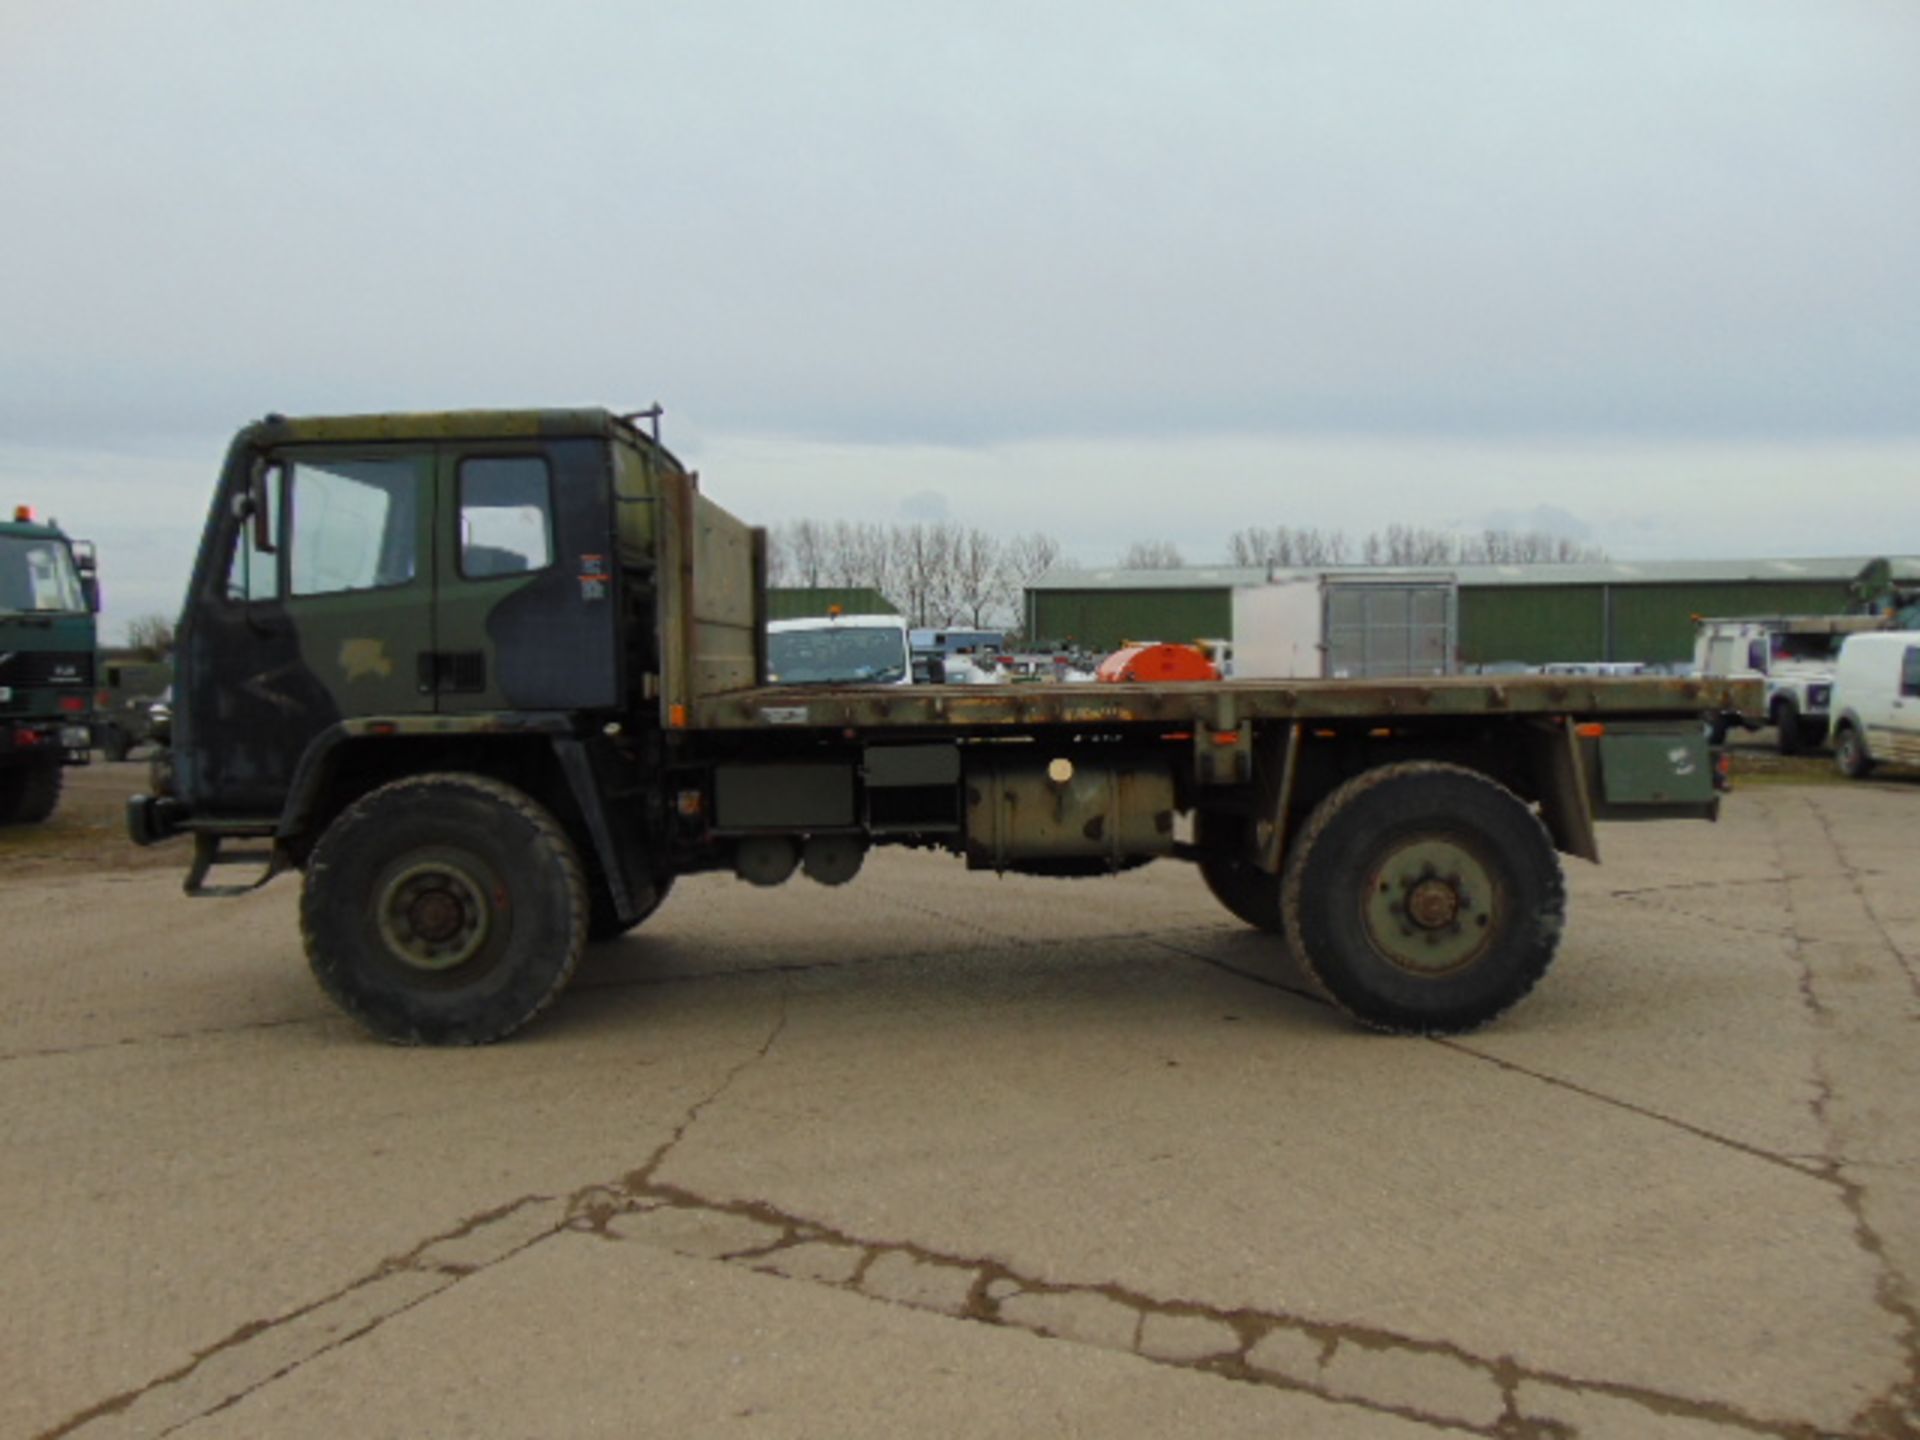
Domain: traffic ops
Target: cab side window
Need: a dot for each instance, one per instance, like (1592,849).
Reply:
(1910,671)
(506,516)
(353,525)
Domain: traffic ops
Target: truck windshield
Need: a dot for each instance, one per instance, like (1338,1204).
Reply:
(841,654)
(1805,647)
(37,574)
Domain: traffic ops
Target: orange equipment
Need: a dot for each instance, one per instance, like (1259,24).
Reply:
(1157,662)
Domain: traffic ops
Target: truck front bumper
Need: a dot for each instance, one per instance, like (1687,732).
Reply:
(153,818)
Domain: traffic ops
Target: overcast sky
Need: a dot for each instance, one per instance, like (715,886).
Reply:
(1647,272)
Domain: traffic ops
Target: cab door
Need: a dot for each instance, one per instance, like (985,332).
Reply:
(524,578)
(315,610)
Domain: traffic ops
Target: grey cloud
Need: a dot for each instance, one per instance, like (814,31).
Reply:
(968,223)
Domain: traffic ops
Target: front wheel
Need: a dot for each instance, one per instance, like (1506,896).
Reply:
(1425,898)
(1787,727)
(444,910)
(1850,752)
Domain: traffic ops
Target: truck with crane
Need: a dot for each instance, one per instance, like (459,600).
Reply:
(492,681)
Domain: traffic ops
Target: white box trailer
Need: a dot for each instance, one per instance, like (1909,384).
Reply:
(1346,625)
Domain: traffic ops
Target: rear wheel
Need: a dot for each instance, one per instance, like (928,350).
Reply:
(444,910)
(30,793)
(1850,752)
(1249,893)
(1425,898)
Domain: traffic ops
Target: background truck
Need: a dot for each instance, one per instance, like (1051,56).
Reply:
(48,596)
(1792,655)
(481,766)
(840,649)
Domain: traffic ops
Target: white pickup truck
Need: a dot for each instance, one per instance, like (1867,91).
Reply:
(1794,654)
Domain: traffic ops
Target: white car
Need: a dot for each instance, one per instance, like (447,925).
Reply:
(1876,701)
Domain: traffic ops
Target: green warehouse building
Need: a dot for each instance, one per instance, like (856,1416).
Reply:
(1617,611)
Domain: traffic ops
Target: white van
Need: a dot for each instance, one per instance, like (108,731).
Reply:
(1876,701)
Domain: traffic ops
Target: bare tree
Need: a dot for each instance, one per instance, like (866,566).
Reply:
(152,634)
(922,563)
(807,549)
(1023,560)
(1152,555)
(779,565)
(976,577)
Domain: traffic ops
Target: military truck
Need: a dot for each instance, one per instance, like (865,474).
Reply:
(48,597)
(494,681)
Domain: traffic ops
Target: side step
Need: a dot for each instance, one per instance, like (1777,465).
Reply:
(207,853)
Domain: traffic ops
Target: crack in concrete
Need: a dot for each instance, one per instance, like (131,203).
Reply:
(418,1260)
(253,1330)
(994,1289)
(1715,887)
(1895,1414)
(1852,872)
(128,1042)
(1798,1165)
(1270,982)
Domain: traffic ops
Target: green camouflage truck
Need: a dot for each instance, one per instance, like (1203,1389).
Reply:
(494,680)
(48,596)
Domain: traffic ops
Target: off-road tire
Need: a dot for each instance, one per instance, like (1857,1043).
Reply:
(1249,893)
(603,923)
(1850,752)
(1786,727)
(1350,855)
(503,865)
(30,793)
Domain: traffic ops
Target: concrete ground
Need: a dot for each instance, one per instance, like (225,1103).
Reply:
(940,1154)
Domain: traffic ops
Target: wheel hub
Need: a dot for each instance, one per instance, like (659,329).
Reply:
(433,917)
(1431,906)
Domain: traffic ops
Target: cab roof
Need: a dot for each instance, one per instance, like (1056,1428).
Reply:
(591,423)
